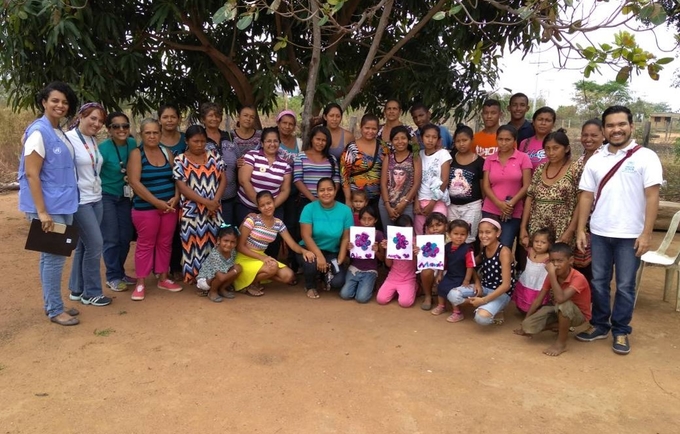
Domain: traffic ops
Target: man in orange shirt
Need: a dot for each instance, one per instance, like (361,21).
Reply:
(485,141)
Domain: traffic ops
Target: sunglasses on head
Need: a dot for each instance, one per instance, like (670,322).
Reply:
(119,126)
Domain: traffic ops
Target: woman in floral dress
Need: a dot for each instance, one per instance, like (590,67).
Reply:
(553,194)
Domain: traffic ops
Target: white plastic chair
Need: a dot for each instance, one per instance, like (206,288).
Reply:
(660,258)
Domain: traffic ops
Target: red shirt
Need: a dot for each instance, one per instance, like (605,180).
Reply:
(581,297)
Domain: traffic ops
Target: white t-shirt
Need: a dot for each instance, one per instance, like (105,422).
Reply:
(88,166)
(432,173)
(620,211)
(34,143)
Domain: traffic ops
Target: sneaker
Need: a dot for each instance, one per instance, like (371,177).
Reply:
(621,345)
(456,316)
(438,310)
(202,284)
(169,285)
(592,334)
(129,280)
(138,293)
(97,300)
(74,296)
(117,285)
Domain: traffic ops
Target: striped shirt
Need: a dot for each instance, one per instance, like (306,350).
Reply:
(262,235)
(264,176)
(310,173)
(158,180)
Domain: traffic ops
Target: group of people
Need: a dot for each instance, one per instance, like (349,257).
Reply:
(229,211)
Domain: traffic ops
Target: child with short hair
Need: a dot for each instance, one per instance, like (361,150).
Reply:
(531,280)
(359,201)
(218,270)
(459,267)
(571,293)
(401,279)
(435,224)
(497,277)
(362,273)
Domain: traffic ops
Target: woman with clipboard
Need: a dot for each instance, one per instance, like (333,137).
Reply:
(48,189)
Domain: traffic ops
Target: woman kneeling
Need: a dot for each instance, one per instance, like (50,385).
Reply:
(257,232)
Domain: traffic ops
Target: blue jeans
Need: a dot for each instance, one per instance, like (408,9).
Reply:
(229,211)
(358,285)
(458,295)
(607,254)
(117,231)
(86,278)
(509,229)
(50,268)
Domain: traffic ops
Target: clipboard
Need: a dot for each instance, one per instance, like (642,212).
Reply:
(62,240)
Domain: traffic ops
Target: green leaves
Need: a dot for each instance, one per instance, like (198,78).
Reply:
(244,21)
(226,13)
(439,16)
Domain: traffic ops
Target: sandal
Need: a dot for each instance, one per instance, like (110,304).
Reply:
(312,293)
(217,299)
(67,322)
(427,304)
(253,291)
(499,320)
(202,293)
(70,311)
(225,293)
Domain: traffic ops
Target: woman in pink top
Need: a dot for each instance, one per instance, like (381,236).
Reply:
(507,176)
(544,122)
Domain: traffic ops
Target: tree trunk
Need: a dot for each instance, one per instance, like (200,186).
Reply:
(313,74)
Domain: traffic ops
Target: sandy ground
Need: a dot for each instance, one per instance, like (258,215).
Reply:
(176,363)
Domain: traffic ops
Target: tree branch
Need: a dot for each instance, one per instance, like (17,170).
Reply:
(364,73)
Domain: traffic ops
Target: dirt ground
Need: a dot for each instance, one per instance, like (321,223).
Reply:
(176,363)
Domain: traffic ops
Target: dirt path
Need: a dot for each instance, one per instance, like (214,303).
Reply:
(176,363)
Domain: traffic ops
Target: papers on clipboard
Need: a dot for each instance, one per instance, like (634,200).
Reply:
(62,240)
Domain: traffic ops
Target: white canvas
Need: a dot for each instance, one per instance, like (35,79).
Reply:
(399,243)
(431,254)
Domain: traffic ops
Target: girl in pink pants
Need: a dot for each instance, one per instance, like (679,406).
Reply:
(401,279)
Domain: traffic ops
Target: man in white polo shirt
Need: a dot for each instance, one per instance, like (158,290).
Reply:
(621,224)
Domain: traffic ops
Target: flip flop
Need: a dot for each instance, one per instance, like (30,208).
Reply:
(226,294)
(314,295)
(69,322)
(71,311)
(254,292)
(217,299)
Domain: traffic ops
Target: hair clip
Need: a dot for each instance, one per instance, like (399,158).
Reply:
(227,225)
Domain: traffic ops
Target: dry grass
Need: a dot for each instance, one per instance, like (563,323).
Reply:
(12,126)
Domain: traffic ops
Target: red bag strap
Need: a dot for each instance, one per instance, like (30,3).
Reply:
(611,174)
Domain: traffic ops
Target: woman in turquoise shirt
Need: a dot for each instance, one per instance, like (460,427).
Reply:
(116,226)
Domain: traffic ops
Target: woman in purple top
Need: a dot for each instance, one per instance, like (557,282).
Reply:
(507,176)
(543,121)
(264,169)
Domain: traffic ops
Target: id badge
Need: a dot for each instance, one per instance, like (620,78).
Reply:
(127,191)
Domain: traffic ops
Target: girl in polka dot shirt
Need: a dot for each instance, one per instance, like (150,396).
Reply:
(497,277)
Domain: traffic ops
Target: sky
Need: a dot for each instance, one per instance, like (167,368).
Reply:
(539,73)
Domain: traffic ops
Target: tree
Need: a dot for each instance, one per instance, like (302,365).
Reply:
(141,52)
(592,98)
